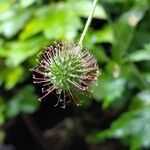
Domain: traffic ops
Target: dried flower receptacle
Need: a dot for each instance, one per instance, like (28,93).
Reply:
(64,68)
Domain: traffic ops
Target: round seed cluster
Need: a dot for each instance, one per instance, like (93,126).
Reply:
(65,68)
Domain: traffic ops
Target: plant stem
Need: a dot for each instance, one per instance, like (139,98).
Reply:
(87,23)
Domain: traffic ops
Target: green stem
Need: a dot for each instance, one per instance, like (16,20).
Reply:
(87,23)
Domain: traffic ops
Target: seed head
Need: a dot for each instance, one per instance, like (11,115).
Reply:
(65,68)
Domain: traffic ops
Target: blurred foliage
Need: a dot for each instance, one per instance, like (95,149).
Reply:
(120,41)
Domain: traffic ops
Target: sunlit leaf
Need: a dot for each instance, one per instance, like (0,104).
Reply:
(13,77)
(142,99)
(86,6)
(60,20)
(11,26)
(5,4)
(140,55)
(20,51)
(26,3)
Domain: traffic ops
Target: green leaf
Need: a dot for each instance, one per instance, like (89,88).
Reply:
(51,18)
(146,75)
(2,111)
(5,4)
(142,99)
(31,28)
(123,35)
(99,53)
(134,124)
(13,77)
(101,36)
(124,29)
(63,22)
(15,23)
(19,51)
(26,3)
(60,20)
(140,55)
(86,6)
(109,89)
(25,101)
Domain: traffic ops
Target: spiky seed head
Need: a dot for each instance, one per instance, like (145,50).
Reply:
(65,67)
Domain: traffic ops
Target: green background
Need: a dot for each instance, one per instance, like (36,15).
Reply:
(119,38)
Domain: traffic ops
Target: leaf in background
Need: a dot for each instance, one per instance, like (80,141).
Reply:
(86,6)
(101,36)
(117,1)
(26,3)
(105,35)
(60,20)
(20,51)
(3,52)
(24,101)
(32,28)
(2,111)
(141,37)
(15,23)
(109,89)
(13,77)
(3,74)
(59,25)
(7,14)
(34,23)
(99,53)
(5,4)
(140,55)
(124,29)
(134,124)
(146,76)
(142,99)
(54,21)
